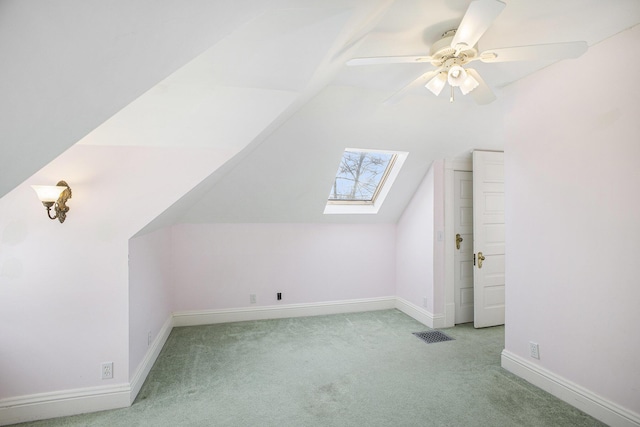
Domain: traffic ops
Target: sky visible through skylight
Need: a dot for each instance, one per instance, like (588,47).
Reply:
(359,175)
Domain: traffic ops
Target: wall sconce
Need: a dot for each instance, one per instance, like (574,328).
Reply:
(55,196)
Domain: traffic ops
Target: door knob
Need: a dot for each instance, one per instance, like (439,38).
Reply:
(480,259)
(458,240)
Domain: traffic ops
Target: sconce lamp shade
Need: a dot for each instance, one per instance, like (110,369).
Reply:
(54,197)
(48,193)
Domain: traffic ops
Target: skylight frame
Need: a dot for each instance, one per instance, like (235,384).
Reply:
(379,187)
(341,206)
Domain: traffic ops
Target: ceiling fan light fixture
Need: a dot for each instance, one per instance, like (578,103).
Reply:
(456,76)
(437,83)
(468,84)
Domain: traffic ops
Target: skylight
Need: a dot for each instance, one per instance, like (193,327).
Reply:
(362,181)
(360,176)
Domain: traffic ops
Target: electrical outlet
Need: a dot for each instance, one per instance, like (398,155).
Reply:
(534,350)
(252,298)
(107,370)
(279,296)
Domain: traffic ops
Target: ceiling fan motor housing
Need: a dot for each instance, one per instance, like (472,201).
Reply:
(446,56)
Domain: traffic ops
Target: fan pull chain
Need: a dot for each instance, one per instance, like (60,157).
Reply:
(451,99)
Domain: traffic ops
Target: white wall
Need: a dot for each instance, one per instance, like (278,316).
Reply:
(218,266)
(64,288)
(150,291)
(418,251)
(573,220)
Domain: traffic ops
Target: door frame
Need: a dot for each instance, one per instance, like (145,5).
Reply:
(450,166)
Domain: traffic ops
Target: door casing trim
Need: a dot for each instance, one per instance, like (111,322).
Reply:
(450,166)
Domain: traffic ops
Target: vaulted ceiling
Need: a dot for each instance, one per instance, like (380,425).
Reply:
(264,76)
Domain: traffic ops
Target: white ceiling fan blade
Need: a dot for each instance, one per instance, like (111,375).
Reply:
(419,82)
(388,60)
(482,94)
(480,15)
(538,51)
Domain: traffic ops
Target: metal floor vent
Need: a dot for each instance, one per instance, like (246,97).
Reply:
(433,336)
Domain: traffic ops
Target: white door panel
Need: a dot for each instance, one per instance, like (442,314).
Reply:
(493,237)
(488,227)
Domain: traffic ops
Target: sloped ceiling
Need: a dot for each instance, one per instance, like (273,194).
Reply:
(265,75)
(288,176)
(67,65)
(231,92)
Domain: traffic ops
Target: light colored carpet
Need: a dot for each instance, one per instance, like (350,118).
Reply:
(363,369)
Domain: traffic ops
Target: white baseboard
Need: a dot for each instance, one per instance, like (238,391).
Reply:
(423,316)
(79,401)
(149,359)
(579,397)
(63,403)
(72,402)
(209,317)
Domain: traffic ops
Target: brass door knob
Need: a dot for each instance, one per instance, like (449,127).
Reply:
(458,240)
(480,259)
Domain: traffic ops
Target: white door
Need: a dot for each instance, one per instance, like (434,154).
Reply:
(488,226)
(463,255)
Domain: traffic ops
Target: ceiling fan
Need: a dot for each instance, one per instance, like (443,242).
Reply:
(457,48)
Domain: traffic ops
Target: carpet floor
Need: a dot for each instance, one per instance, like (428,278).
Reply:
(361,369)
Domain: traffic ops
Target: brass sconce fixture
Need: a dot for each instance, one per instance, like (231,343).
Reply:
(55,196)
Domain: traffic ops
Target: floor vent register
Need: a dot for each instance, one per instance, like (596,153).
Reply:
(431,337)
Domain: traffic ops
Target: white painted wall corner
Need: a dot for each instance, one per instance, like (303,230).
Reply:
(588,402)
(149,359)
(434,321)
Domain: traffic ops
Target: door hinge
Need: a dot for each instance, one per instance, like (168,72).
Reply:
(474,260)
